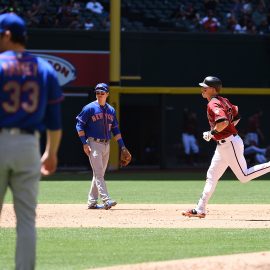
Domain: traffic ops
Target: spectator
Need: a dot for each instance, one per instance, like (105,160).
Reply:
(45,21)
(64,15)
(232,24)
(192,16)
(178,12)
(247,7)
(259,15)
(88,24)
(210,23)
(75,7)
(254,138)
(105,23)
(237,8)
(15,7)
(247,25)
(263,28)
(254,134)
(33,16)
(75,23)
(95,7)
(255,154)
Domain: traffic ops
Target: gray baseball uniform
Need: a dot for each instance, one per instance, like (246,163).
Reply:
(95,123)
(29,103)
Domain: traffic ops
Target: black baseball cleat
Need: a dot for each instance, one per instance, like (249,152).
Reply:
(193,213)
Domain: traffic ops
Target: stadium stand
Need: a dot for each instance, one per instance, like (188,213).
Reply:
(227,16)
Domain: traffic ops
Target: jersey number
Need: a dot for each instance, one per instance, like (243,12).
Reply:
(31,88)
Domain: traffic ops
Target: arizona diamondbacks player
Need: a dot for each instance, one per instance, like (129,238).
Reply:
(94,125)
(223,117)
(29,102)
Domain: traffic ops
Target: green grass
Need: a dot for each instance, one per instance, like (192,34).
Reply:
(66,249)
(82,248)
(228,192)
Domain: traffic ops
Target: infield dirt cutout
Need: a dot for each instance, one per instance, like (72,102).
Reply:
(160,216)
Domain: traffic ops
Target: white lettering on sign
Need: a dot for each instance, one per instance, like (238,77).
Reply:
(66,72)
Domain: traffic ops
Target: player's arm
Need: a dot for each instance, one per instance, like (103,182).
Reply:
(117,133)
(54,133)
(118,137)
(49,158)
(220,125)
(82,136)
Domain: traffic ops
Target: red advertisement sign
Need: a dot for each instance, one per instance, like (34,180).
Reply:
(78,68)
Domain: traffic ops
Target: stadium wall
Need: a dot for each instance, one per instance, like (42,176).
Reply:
(164,61)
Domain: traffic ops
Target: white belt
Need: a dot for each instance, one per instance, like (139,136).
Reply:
(228,139)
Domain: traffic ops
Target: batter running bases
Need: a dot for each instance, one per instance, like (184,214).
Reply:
(223,118)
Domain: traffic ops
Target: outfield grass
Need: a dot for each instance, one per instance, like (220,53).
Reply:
(82,248)
(66,249)
(162,192)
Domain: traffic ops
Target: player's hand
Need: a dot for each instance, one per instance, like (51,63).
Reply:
(48,164)
(86,149)
(207,135)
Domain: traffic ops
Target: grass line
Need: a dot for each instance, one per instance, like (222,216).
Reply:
(64,249)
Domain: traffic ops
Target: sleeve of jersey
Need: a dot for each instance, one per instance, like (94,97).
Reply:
(53,118)
(115,126)
(82,119)
(218,111)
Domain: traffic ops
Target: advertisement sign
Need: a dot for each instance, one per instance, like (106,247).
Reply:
(78,68)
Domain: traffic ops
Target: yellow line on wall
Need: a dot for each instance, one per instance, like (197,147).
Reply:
(187,90)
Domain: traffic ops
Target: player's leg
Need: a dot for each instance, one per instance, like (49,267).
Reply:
(93,193)
(96,161)
(217,168)
(3,169)
(24,182)
(238,164)
(109,202)
(215,171)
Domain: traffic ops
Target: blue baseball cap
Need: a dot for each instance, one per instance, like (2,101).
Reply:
(13,23)
(102,87)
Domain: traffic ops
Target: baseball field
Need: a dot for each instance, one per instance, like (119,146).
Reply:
(146,230)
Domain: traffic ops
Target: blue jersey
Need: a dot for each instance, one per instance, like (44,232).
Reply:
(98,121)
(30,94)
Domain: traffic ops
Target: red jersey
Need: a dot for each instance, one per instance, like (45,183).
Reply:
(220,109)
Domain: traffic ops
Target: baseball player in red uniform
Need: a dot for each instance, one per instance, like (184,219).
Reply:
(223,118)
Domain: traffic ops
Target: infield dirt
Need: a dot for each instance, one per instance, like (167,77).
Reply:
(160,216)
(145,216)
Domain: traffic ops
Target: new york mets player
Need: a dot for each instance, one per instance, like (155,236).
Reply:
(223,117)
(95,123)
(29,102)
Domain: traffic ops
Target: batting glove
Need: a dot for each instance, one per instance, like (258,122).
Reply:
(207,135)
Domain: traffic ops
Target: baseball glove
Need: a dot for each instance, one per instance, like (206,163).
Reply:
(125,157)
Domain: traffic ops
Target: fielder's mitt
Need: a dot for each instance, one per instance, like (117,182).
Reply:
(125,157)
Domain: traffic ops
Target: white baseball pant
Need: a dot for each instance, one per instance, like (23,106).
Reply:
(229,154)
